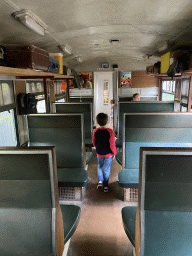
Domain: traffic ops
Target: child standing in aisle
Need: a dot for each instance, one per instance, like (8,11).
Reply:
(104,141)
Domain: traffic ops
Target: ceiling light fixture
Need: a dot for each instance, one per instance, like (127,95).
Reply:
(65,48)
(79,58)
(146,56)
(31,21)
(114,41)
(163,47)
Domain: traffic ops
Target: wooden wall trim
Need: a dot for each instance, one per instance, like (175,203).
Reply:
(140,79)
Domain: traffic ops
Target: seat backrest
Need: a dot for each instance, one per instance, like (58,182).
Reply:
(83,99)
(154,130)
(64,131)
(85,108)
(138,107)
(125,99)
(165,202)
(29,202)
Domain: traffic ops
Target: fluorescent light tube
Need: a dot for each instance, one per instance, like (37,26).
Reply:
(33,25)
(79,58)
(65,48)
(28,19)
(163,47)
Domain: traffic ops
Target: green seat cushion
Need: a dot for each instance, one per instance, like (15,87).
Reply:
(167,233)
(26,231)
(129,178)
(71,216)
(88,142)
(89,156)
(118,142)
(129,216)
(72,177)
(118,157)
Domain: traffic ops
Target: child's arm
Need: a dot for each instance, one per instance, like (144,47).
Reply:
(112,142)
(93,139)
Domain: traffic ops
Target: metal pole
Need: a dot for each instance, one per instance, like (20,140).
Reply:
(46,95)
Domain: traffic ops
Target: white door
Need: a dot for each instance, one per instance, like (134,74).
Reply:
(103,93)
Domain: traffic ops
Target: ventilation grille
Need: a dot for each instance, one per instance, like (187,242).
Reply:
(131,195)
(70,194)
(114,41)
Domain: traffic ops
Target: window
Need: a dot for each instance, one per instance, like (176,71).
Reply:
(184,94)
(36,87)
(41,107)
(7,129)
(60,95)
(61,100)
(6,93)
(106,92)
(168,90)
(7,118)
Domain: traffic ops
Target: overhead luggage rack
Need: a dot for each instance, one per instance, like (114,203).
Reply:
(20,73)
(28,73)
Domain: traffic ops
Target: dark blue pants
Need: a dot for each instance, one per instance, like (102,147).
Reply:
(104,169)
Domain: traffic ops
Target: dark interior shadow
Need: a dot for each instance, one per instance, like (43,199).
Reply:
(98,196)
(98,245)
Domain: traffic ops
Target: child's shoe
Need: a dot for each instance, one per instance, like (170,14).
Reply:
(105,189)
(99,184)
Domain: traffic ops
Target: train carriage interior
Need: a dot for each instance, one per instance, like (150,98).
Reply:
(62,62)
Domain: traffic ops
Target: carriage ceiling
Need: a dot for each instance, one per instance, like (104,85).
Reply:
(88,26)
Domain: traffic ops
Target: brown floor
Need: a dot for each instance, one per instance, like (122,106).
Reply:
(100,230)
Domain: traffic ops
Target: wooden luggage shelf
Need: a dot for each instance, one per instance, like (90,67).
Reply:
(27,73)
(184,73)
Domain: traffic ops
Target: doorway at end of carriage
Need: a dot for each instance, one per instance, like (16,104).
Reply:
(103,93)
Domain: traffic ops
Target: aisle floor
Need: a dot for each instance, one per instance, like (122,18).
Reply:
(100,230)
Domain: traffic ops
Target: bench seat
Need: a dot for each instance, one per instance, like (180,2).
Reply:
(129,178)
(118,143)
(128,217)
(118,157)
(88,143)
(72,177)
(89,156)
(71,217)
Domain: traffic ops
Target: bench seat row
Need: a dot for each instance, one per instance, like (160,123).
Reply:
(66,133)
(151,130)
(32,221)
(161,224)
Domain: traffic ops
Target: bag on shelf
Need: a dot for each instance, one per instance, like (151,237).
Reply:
(27,103)
(3,56)
(180,64)
(157,67)
(66,71)
(27,56)
(53,65)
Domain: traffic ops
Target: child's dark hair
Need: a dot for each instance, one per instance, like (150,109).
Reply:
(112,101)
(134,95)
(102,119)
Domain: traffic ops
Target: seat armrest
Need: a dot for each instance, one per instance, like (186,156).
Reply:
(118,157)
(129,217)
(71,217)
(129,178)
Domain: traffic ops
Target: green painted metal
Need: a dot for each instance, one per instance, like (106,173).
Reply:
(152,130)
(85,108)
(65,132)
(139,107)
(166,205)
(71,217)
(26,202)
(128,217)
(62,131)
(72,177)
